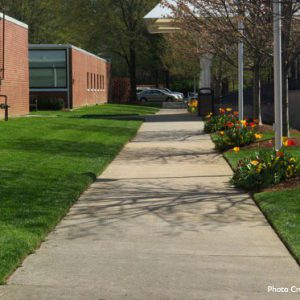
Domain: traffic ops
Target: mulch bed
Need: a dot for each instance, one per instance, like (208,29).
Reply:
(268,128)
(293,183)
(269,144)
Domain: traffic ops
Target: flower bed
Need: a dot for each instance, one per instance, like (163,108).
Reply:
(214,123)
(264,169)
(229,131)
(259,170)
(236,136)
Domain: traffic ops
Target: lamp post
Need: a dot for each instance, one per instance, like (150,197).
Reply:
(241,71)
(241,59)
(277,74)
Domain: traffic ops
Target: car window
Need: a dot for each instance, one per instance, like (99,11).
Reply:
(156,92)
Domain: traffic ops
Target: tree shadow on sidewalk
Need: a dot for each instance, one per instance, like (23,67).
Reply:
(178,208)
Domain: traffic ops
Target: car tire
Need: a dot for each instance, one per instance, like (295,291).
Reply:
(143,100)
(169,99)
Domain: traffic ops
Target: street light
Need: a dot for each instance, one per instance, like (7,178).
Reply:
(277,74)
(241,71)
(241,60)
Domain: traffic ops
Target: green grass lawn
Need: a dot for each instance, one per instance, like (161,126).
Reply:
(46,163)
(282,208)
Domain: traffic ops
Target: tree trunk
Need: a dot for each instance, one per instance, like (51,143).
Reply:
(167,79)
(285,103)
(132,74)
(259,105)
(256,92)
(156,79)
(218,89)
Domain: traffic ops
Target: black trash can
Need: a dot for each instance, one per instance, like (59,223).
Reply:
(205,101)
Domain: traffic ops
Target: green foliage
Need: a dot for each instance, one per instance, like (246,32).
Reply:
(264,169)
(51,104)
(42,17)
(110,28)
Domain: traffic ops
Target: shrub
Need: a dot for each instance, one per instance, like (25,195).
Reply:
(236,136)
(51,104)
(220,122)
(264,169)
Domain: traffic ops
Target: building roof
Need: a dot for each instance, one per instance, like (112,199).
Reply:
(160,19)
(160,11)
(64,46)
(12,20)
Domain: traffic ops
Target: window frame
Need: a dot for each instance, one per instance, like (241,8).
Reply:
(66,86)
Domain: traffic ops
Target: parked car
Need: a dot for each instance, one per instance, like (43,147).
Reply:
(141,89)
(157,95)
(176,93)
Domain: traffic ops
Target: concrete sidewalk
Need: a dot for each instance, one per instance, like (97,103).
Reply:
(162,222)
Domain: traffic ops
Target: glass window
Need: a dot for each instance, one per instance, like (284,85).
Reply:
(156,92)
(48,68)
(92,86)
(47,78)
(88,80)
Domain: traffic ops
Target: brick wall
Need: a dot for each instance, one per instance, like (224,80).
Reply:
(16,81)
(90,79)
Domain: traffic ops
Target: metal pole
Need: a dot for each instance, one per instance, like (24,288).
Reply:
(241,72)
(277,74)
(3,47)
(200,73)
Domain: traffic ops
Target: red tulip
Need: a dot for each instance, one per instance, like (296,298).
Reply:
(291,143)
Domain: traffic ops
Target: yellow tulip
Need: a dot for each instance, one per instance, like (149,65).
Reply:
(236,149)
(254,162)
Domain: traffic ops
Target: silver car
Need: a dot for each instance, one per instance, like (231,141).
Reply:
(171,92)
(157,95)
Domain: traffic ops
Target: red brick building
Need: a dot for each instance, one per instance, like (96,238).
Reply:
(66,72)
(14,70)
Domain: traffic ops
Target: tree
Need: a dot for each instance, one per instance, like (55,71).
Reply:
(41,17)
(127,33)
(216,22)
(113,28)
(290,51)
